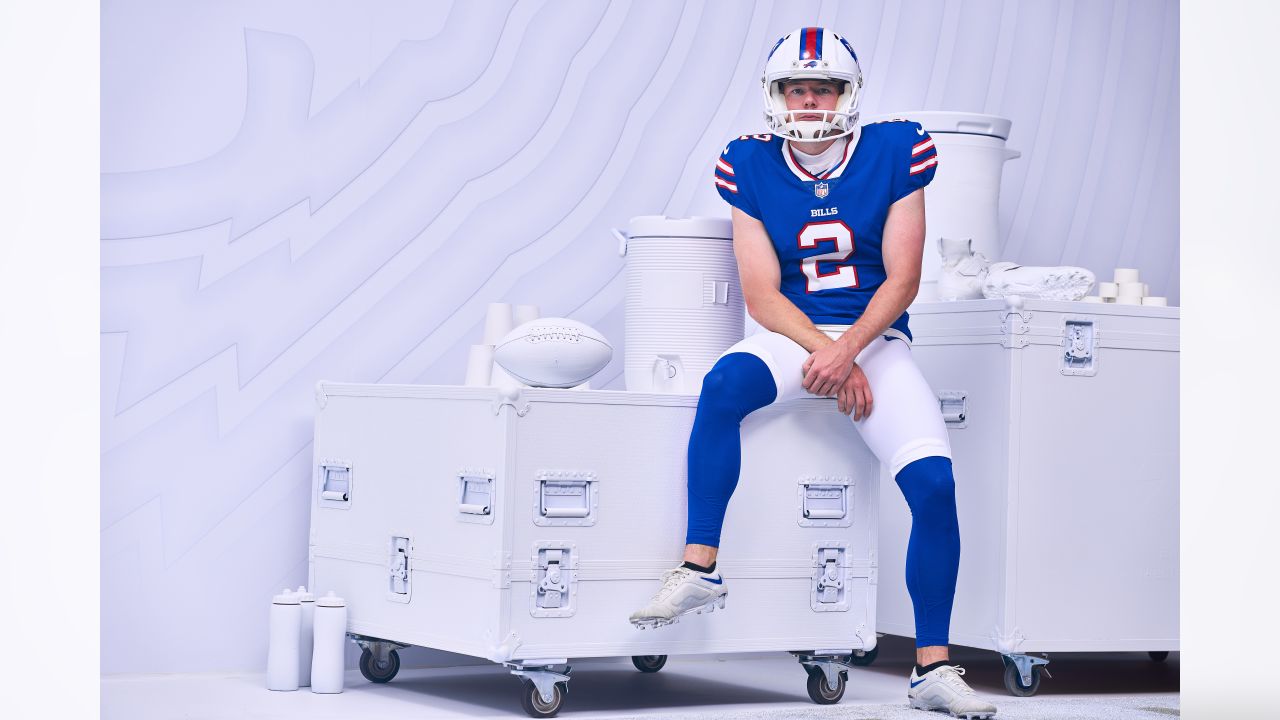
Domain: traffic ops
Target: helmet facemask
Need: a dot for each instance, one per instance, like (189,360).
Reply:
(812,54)
(835,123)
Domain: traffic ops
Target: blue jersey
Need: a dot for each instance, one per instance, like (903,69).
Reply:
(827,229)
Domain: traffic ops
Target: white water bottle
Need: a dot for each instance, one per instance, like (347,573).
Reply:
(282,653)
(307,602)
(328,661)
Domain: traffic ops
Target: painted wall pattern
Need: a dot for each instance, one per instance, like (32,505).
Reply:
(295,191)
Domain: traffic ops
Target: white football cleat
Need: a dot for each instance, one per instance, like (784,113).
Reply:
(944,690)
(1048,283)
(683,591)
(963,270)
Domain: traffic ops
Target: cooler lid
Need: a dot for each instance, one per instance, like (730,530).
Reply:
(942,121)
(714,228)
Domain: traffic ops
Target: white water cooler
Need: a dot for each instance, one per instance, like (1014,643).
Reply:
(684,303)
(963,199)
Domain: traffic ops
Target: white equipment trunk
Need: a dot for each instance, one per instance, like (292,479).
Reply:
(1063,419)
(527,527)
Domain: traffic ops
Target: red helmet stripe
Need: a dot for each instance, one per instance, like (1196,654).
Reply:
(809,48)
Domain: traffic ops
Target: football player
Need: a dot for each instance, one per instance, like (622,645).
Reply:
(828,232)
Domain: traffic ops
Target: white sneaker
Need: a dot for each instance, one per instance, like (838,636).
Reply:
(1049,283)
(943,689)
(683,591)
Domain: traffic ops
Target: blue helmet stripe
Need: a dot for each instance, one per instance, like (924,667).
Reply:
(848,47)
(778,44)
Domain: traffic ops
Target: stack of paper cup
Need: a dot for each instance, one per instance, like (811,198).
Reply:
(1126,275)
(1125,289)
(497,322)
(1129,293)
(479,366)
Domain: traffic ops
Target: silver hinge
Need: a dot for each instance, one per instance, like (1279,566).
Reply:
(400,580)
(1015,324)
(1079,347)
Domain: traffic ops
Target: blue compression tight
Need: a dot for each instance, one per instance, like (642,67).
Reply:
(933,552)
(739,384)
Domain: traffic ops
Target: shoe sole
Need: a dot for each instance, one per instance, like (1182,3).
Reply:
(977,715)
(698,610)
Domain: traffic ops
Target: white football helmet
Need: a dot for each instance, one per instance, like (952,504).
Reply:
(812,53)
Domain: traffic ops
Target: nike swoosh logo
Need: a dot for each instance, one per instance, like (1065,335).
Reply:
(717,581)
(917,682)
(919,131)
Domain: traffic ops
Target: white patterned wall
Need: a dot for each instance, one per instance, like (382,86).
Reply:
(295,191)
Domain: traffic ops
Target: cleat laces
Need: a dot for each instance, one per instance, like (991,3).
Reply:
(950,674)
(670,579)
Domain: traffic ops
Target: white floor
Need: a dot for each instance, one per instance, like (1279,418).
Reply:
(1083,686)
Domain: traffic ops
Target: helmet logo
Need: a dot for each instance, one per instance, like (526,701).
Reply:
(810,64)
(820,189)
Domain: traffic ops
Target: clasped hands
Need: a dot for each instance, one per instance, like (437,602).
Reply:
(832,370)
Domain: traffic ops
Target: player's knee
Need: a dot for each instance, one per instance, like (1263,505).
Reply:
(928,484)
(736,385)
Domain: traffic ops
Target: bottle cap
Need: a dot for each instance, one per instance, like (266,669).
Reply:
(330,600)
(303,595)
(286,597)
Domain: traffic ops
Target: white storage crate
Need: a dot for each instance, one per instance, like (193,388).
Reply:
(525,529)
(1063,420)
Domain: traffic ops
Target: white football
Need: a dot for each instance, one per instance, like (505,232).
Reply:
(553,352)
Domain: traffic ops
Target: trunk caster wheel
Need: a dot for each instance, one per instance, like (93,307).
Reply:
(866,658)
(822,693)
(533,704)
(379,672)
(648,663)
(1013,681)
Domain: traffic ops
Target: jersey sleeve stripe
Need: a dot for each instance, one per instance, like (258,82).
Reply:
(924,165)
(726,184)
(921,147)
(724,167)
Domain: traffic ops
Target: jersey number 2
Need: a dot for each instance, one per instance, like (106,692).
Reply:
(843,276)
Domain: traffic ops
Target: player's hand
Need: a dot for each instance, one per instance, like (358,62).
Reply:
(827,368)
(855,394)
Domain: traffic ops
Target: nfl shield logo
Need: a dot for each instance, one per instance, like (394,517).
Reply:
(820,189)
